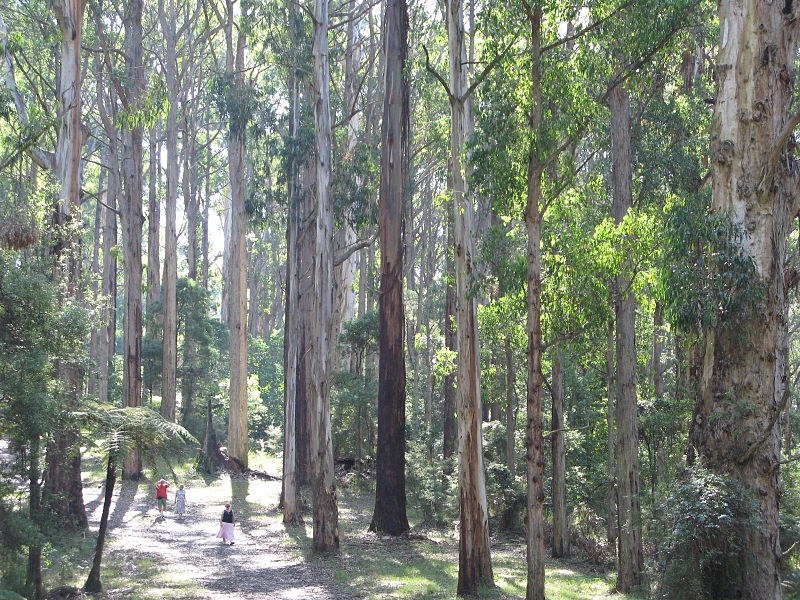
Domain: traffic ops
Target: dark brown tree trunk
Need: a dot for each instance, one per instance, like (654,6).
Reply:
(33,578)
(93,584)
(390,483)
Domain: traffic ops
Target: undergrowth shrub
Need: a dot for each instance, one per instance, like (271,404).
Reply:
(431,484)
(702,551)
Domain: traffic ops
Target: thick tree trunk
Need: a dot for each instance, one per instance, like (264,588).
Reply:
(326,517)
(237,304)
(63,484)
(630,571)
(390,484)
(131,216)
(474,556)
(559,453)
(755,182)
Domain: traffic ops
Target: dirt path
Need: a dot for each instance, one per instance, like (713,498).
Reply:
(168,557)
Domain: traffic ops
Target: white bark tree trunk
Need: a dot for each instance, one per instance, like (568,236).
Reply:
(326,517)
(237,303)
(755,182)
(168,19)
(474,557)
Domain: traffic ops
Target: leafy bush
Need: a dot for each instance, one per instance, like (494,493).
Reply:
(705,524)
(431,483)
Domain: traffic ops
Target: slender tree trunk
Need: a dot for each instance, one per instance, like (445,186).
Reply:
(33,578)
(474,557)
(658,388)
(511,408)
(559,453)
(449,425)
(611,411)
(153,238)
(192,208)
(533,430)
(168,18)
(93,584)
(630,572)
(755,183)
(390,484)
(292,511)
(131,215)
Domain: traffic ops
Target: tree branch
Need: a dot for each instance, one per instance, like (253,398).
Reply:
(352,249)
(585,30)
(438,77)
(488,68)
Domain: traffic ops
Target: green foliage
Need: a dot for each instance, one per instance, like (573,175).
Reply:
(265,358)
(709,280)
(235,102)
(431,483)
(703,552)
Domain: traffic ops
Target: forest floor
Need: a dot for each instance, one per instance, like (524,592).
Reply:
(149,557)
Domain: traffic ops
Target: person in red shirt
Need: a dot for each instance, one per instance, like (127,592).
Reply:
(161,495)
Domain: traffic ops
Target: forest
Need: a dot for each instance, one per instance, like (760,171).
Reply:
(455,298)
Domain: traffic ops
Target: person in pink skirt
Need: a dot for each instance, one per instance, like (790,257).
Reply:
(226,523)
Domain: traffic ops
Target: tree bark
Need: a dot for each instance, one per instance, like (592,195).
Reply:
(131,217)
(474,556)
(630,571)
(169,365)
(611,412)
(63,483)
(533,430)
(292,510)
(237,306)
(93,583)
(153,237)
(755,182)
(511,408)
(326,517)
(559,453)
(390,483)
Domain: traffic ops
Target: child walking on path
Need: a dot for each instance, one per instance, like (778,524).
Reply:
(226,523)
(180,501)
(161,495)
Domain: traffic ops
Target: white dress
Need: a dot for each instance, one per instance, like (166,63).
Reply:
(180,502)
